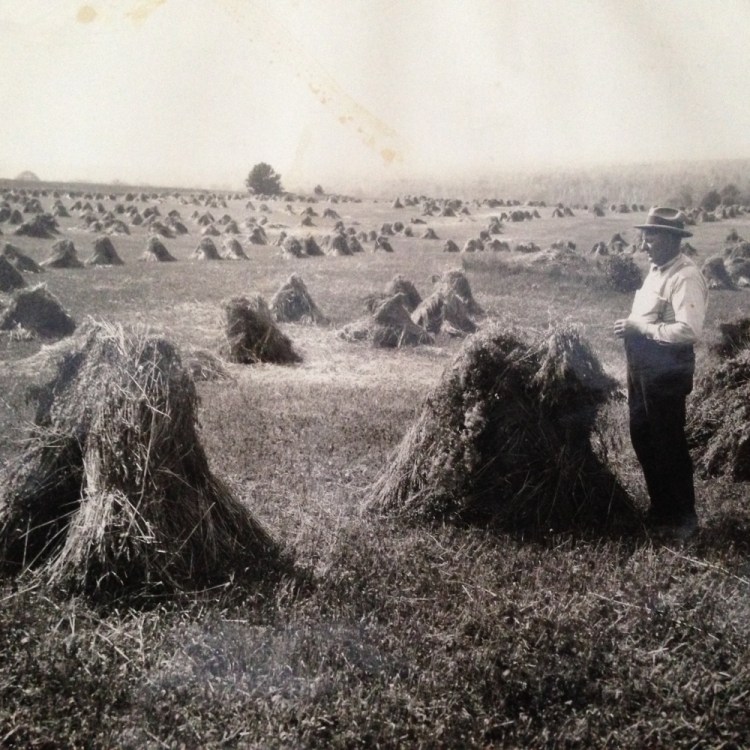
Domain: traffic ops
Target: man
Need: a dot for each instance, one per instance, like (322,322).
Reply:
(665,322)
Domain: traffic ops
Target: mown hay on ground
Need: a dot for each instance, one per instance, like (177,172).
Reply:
(37,310)
(719,411)
(504,439)
(113,492)
(292,303)
(252,336)
(389,326)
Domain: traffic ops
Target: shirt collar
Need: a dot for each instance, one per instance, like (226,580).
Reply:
(668,264)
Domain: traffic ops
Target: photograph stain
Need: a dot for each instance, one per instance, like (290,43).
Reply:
(142,10)
(86,14)
(374,133)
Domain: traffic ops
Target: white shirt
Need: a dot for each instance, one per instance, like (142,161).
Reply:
(672,302)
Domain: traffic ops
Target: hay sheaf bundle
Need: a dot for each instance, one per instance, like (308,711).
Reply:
(444,313)
(233,249)
(10,278)
(397,285)
(735,336)
(104,254)
(113,492)
(337,245)
(206,250)
(716,274)
(560,257)
(621,273)
(389,326)
(157,252)
(291,247)
(252,336)
(203,365)
(719,424)
(355,246)
(293,303)
(381,243)
(739,271)
(41,226)
(19,260)
(39,311)
(64,255)
(455,281)
(310,247)
(504,439)
(258,236)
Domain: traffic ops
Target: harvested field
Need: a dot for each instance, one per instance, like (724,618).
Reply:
(446,630)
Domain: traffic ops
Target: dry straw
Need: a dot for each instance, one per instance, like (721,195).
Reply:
(444,312)
(397,285)
(504,439)
(104,254)
(157,252)
(37,310)
(64,255)
(719,423)
(113,492)
(716,273)
(389,326)
(10,277)
(252,336)
(293,303)
(455,282)
(19,260)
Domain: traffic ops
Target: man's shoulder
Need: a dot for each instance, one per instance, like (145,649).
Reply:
(686,269)
(686,266)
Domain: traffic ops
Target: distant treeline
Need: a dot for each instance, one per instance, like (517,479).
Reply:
(684,184)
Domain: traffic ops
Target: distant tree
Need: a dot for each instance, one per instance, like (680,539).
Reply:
(710,200)
(686,196)
(318,190)
(263,180)
(730,194)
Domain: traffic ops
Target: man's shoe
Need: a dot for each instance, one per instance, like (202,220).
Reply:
(676,531)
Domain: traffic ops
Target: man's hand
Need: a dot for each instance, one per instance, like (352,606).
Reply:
(627,327)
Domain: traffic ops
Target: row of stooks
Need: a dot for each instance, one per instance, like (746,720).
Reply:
(113,494)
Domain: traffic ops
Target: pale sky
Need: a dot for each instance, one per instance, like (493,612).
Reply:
(361,92)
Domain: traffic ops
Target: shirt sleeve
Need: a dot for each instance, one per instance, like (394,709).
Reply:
(688,300)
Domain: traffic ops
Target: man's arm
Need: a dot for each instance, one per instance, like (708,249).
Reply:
(688,299)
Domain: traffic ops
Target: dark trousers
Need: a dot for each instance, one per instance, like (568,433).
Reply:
(660,376)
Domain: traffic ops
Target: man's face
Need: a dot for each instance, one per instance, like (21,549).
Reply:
(660,246)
